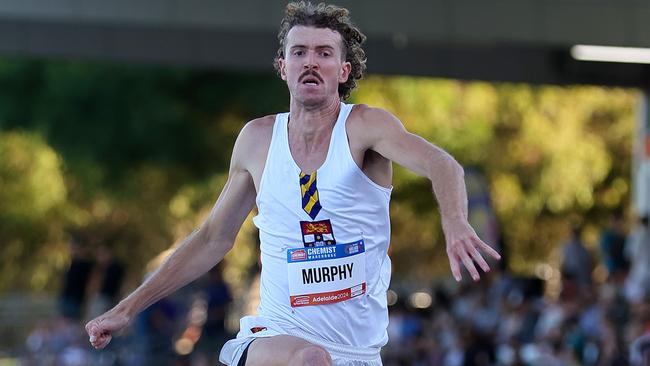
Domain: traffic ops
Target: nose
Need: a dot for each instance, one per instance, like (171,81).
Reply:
(310,61)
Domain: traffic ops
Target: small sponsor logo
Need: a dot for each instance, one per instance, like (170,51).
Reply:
(299,255)
(301,300)
(357,290)
(257,329)
(352,248)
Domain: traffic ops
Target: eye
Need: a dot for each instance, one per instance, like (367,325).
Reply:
(325,54)
(298,52)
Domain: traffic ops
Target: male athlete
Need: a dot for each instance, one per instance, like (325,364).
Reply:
(320,176)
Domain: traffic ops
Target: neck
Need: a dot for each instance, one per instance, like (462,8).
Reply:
(310,128)
(310,120)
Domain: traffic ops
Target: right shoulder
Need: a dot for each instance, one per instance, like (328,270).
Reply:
(258,130)
(254,140)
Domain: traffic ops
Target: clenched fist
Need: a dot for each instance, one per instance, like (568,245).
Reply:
(100,329)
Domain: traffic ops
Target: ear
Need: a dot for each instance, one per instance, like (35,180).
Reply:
(346,69)
(283,71)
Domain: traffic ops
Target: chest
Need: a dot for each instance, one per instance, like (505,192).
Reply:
(309,157)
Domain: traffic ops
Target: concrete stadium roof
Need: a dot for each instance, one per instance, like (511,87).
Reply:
(504,40)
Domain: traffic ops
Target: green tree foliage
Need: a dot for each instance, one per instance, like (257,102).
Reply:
(132,139)
(119,116)
(137,155)
(551,156)
(33,198)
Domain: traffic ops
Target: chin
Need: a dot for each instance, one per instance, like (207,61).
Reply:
(312,100)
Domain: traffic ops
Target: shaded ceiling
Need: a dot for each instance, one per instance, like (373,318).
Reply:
(504,40)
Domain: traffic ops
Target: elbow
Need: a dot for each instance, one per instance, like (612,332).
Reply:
(445,165)
(218,242)
(453,166)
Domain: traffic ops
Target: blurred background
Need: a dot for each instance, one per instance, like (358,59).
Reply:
(117,120)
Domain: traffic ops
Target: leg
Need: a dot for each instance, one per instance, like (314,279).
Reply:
(286,350)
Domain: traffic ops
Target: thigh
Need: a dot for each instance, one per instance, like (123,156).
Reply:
(277,350)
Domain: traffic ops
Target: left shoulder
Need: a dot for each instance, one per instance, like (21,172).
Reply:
(366,118)
(367,126)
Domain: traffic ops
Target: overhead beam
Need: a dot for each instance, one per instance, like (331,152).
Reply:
(508,40)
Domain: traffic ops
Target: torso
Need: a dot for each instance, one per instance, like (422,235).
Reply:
(374,165)
(350,228)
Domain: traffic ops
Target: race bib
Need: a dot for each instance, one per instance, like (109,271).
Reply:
(326,274)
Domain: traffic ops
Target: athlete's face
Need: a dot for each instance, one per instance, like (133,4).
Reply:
(313,65)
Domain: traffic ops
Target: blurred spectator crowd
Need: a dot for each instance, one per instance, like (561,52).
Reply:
(507,320)
(501,320)
(187,328)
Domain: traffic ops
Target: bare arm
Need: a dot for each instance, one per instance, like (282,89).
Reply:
(386,135)
(199,252)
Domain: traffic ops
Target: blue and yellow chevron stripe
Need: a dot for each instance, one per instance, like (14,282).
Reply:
(310,202)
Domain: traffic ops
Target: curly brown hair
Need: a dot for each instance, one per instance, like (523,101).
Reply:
(336,19)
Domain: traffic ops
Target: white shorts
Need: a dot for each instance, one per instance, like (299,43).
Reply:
(342,355)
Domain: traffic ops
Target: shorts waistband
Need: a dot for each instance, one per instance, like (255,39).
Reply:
(357,353)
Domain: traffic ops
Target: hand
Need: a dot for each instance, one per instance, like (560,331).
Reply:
(101,328)
(463,246)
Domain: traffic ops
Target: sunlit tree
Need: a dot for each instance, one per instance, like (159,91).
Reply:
(552,156)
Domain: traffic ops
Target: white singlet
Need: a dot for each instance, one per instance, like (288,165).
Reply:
(324,275)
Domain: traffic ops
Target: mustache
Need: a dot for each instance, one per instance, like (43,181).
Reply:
(310,73)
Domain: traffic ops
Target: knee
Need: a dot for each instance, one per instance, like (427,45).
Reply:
(312,356)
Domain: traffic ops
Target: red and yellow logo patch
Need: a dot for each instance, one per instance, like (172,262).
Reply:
(317,233)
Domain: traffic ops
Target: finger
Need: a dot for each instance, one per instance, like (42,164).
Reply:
(89,326)
(106,342)
(479,259)
(102,341)
(453,263)
(93,329)
(95,339)
(95,333)
(487,249)
(469,264)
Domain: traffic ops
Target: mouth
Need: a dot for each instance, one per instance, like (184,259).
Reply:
(311,79)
